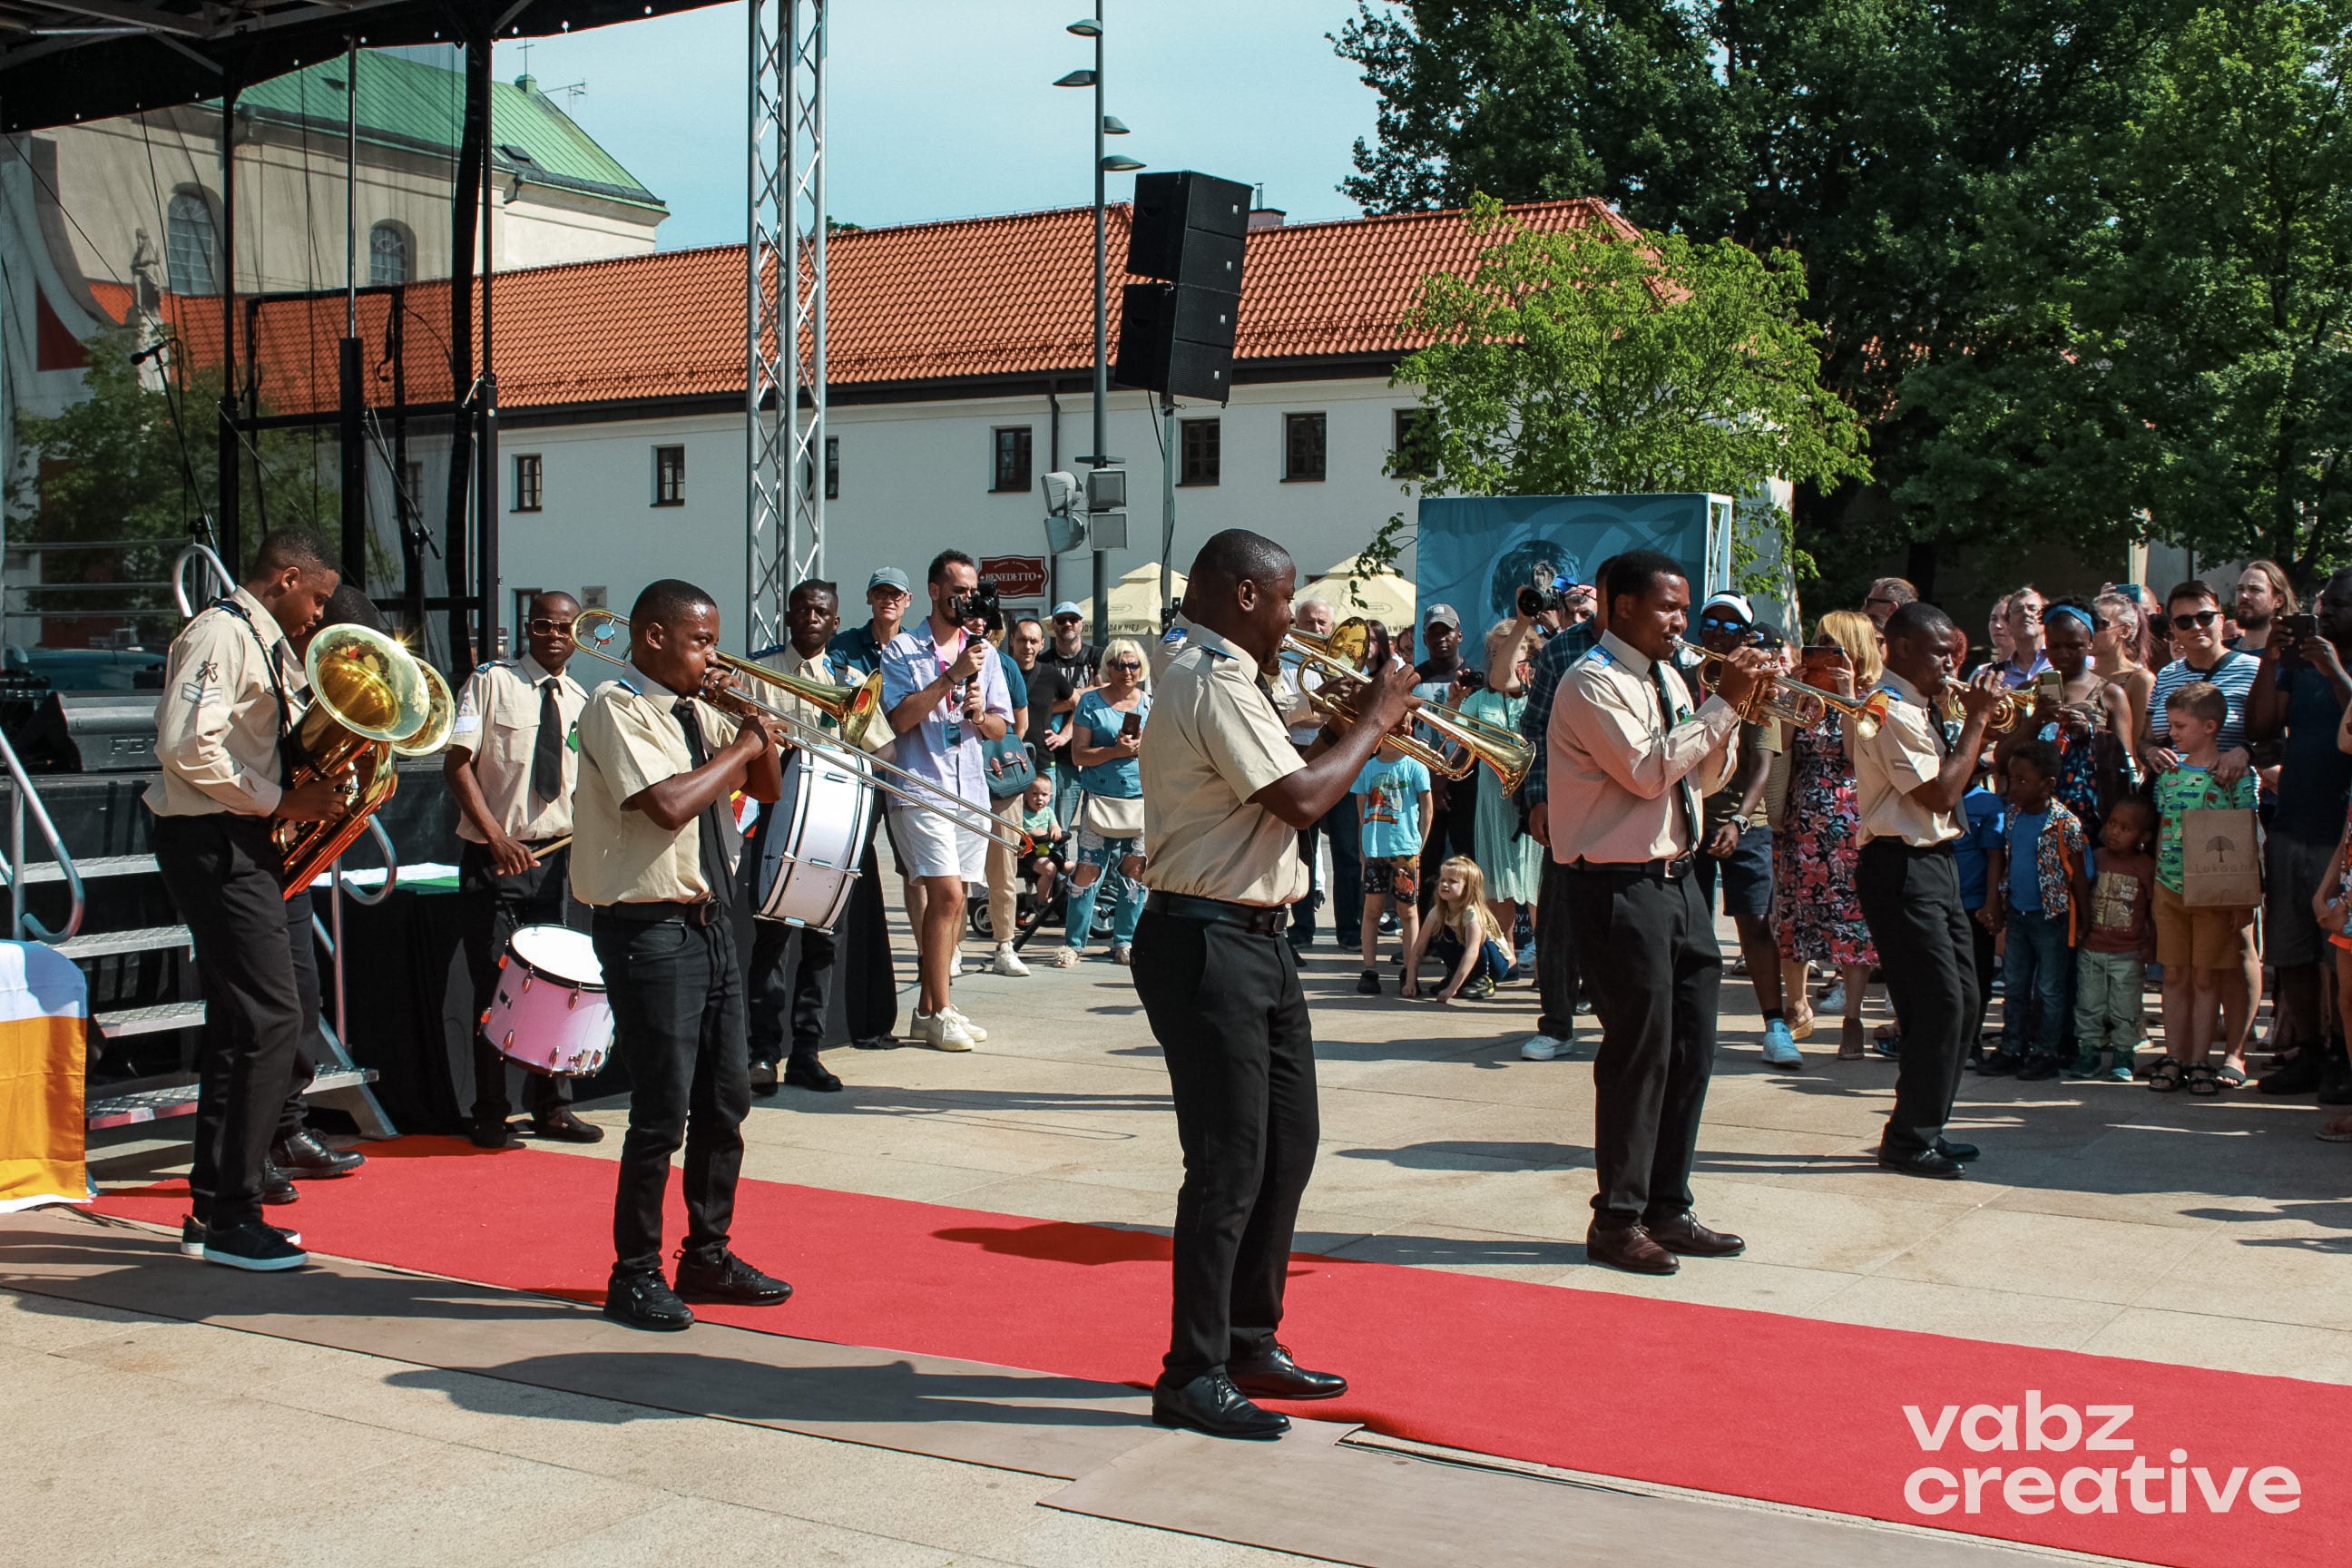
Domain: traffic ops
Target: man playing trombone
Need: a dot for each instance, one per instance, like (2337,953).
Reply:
(945,694)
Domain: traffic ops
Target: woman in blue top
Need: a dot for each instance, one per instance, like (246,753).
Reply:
(1106,735)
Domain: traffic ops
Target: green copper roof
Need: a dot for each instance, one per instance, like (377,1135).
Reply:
(420,106)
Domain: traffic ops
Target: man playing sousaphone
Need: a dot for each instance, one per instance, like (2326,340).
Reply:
(223,725)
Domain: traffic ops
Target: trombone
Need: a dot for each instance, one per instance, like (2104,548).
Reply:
(1340,655)
(1792,701)
(855,709)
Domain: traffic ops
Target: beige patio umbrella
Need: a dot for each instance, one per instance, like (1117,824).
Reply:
(1135,603)
(1382,596)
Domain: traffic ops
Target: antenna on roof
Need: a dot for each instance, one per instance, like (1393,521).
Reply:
(572,92)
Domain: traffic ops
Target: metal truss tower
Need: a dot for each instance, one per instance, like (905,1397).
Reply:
(784,324)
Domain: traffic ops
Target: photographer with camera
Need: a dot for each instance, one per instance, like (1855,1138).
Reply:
(945,691)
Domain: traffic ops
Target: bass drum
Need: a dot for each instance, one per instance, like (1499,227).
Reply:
(814,841)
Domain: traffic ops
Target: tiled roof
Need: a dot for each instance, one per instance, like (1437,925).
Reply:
(965,301)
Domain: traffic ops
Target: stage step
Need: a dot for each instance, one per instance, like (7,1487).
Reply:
(105,944)
(89,867)
(123,1021)
(153,1104)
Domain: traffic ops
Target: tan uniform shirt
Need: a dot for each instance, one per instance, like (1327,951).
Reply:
(216,723)
(629,742)
(1616,768)
(1906,752)
(498,726)
(819,667)
(1213,741)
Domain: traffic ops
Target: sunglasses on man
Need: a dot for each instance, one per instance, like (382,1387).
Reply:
(543,628)
(2196,620)
(1720,624)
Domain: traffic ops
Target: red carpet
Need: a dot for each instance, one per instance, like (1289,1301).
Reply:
(1750,1403)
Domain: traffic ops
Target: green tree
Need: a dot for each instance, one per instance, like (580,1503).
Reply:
(1579,361)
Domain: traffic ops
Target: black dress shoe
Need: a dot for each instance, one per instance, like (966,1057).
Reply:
(306,1158)
(1683,1233)
(276,1191)
(645,1302)
(493,1135)
(728,1278)
(807,1072)
(763,1079)
(1932,1162)
(561,1126)
(1629,1247)
(1211,1404)
(1270,1373)
(1963,1152)
(2300,1076)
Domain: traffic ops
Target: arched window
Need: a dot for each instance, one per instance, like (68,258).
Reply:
(389,254)
(191,244)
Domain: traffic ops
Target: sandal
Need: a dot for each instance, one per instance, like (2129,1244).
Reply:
(1849,1041)
(2166,1075)
(2337,1131)
(1801,1027)
(2203,1080)
(2230,1077)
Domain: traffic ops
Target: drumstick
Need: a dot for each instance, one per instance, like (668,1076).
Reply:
(550,847)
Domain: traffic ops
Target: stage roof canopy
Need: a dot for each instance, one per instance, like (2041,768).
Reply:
(67,60)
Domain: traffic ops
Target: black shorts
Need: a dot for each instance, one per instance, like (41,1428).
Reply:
(1398,878)
(1745,875)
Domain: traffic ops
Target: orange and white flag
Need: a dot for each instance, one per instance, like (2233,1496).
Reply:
(43,1025)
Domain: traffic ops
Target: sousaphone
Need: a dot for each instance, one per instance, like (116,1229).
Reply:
(370,701)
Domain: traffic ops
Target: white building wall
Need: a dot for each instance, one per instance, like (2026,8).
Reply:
(915,480)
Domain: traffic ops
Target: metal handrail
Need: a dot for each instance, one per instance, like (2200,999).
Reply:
(20,919)
(221,581)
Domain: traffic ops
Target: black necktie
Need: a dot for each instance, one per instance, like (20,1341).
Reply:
(1682,786)
(714,822)
(547,757)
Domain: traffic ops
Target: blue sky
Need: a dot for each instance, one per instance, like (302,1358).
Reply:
(945,108)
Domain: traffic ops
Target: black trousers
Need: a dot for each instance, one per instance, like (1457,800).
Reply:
(301,951)
(1557,976)
(1226,1009)
(1655,971)
(223,873)
(1912,899)
(677,991)
(856,956)
(492,906)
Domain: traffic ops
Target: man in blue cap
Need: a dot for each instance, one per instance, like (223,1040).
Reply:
(857,653)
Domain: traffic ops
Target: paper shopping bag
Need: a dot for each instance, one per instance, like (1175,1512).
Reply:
(2221,863)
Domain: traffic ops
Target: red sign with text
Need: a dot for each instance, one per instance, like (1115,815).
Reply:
(1017,576)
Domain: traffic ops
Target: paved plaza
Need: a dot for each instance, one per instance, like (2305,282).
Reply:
(2102,1219)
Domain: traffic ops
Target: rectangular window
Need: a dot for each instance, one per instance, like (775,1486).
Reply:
(1302,448)
(1411,455)
(526,481)
(1011,466)
(833,468)
(670,475)
(1201,441)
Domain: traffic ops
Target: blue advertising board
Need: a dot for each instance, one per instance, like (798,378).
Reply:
(1474,551)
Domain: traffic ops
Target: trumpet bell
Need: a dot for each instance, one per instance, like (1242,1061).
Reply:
(367,683)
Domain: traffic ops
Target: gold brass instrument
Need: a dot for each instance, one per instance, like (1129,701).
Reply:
(2006,714)
(1792,701)
(371,700)
(856,708)
(1340,655)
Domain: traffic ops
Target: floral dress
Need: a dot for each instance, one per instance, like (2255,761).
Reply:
(1816,910)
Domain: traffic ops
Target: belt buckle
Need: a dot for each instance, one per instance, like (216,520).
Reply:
(704,915)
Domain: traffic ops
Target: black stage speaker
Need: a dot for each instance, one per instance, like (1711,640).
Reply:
(1176,337)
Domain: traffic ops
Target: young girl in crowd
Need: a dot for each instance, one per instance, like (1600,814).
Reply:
(1460,932)
(2083,718)
(2119,644)
(2118,943)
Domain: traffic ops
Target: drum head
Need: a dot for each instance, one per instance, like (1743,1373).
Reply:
(559,952)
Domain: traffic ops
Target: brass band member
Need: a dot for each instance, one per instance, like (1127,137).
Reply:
(1629,762)
(653,854)
(1908,787)
(1225,796)
(511,768)
(228,705)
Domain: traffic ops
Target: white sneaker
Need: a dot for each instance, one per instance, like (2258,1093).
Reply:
(1122,954)
(1008,961)
(972,1031)
(1542,1048)
(1066,958)
(941,1031)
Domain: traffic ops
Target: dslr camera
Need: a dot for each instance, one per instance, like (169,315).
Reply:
(1546,589)
(979,604)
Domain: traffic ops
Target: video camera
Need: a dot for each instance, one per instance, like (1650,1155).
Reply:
(979,604)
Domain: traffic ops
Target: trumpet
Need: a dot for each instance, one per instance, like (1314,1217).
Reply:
(1340,655)
(855,709)
(2006,713)
(1792,701)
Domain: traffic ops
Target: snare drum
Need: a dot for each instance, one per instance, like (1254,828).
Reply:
(815,836)
(549,1014)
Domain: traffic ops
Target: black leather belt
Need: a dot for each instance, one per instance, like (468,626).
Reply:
(1673,870)
(1260,919)
(699,913)
(1900,847)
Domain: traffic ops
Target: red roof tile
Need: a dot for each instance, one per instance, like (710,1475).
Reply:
(923,302)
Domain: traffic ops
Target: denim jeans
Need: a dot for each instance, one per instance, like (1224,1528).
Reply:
(2038,972)
(1104,854)
(1346,894)
(1495,963)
